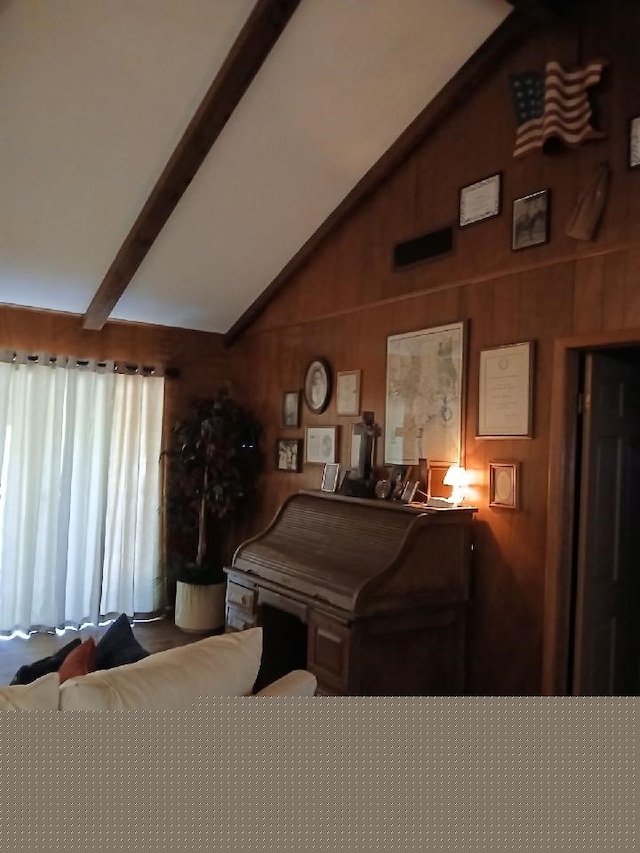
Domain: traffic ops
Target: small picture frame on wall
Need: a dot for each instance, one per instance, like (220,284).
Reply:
(481,200)
(348,392)
(291,409)
(634,142)
(317,385)
(321,444)
(330,477)
(531,217)
(289,455)
(504,485)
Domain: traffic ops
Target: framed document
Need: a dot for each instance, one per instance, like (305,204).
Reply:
(348,392)
(481,200)
(505,391)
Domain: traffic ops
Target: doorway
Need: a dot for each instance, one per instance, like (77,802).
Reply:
(604,654)
(592,583)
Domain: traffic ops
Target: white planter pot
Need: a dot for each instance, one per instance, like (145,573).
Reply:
(199,609)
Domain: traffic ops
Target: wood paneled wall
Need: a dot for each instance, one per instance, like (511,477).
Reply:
(346,301)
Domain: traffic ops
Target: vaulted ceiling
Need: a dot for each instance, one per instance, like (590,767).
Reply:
(113,173)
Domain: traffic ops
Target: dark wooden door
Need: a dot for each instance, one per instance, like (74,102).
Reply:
(606,648)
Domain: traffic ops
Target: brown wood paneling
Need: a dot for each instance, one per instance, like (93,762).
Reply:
(345,303)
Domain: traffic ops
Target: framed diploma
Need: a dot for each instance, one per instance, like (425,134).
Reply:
(505,393)
(481,200)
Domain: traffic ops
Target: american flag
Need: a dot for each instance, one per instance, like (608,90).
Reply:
(554,104)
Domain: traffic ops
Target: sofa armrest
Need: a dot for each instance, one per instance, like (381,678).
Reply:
(298,682)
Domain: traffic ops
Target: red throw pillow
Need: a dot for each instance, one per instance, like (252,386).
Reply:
(80,661)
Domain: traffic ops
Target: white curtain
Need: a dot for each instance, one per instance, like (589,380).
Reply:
(79,493)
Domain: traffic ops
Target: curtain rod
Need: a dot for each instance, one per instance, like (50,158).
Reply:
(19,357)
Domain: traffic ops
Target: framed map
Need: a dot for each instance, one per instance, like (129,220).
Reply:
(424,395)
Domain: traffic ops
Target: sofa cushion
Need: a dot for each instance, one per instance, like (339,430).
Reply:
(39,695)
(30,671)
(224,665)
(118,646)
(298,682)
(79,662)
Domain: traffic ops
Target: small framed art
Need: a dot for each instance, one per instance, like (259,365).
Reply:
(317,386)
(634,142)
(321,444)
(291,409)
(481,200)
(348,392)
(530,224)
(504,485)
(330,477)
(289,454)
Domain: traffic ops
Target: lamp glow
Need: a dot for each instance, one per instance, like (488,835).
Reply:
(458,479)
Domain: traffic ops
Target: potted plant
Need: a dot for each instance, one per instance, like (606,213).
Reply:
(211,474)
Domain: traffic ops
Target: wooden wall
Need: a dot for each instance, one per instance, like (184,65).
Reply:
(346,301)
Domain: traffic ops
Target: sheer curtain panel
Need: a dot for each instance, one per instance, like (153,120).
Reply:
(79,492)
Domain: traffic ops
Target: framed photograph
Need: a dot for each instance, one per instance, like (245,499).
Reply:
(634,142)
(348,392)
(409,491)
(424,395)
(505,391)
(481,200)
(397,478)
(504,484)
(317,385)
(330,477)
(321,444)
(289,455)
(531,216)
(291,409)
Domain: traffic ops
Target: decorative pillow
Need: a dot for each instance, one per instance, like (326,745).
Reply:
(79,662)
(173,680)
(43,694)
(30,671)
(118,646)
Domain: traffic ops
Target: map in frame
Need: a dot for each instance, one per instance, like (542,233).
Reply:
(424,395)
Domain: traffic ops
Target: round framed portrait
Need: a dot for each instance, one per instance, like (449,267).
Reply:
(317,385)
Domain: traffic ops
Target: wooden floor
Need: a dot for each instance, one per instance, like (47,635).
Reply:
(154,636)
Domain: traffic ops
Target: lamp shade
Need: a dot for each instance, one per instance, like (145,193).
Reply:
(456,476)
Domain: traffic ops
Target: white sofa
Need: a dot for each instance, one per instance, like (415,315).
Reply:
(177,679)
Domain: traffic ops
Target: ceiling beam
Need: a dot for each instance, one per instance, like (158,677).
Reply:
(261,31)
(512,32)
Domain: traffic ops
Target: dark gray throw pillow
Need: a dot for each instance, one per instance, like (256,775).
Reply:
(30,671)
(118,646)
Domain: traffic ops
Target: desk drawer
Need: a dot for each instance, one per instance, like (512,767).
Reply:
(238,619)
(241,596)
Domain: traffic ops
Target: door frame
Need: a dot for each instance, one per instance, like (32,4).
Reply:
(561,500)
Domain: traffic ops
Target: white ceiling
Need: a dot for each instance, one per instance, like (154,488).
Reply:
(94,97)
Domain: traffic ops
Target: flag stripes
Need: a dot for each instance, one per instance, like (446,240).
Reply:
(554,104)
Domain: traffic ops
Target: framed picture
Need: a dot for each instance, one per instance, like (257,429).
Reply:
(505,391)
(435,486)
(504,484)
(634,142)
(321,444)
(348,392)
(409,491)
(289,454)
(424,395)
(481,200)
(531,216)
(397,478)
(291,409)
(317,386)
(330,477)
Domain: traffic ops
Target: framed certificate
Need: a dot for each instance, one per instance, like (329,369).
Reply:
(505,391)
(481,200)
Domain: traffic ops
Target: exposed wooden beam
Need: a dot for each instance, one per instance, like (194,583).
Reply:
(513,30)
(262,29)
